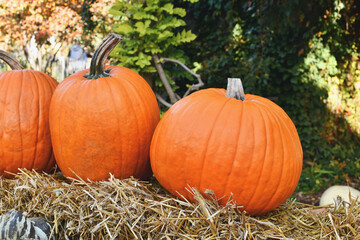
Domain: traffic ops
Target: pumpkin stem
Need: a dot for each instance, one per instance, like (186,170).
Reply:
(235,89)
(10,60)
(97,64)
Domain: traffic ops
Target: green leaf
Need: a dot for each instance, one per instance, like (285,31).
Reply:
(143,15)
(168,8)
(115,12)
(117,9)
(123,28)
(165,34)
(141,27)
(143,60)
(170,23)
(179,11)
(184,36)
(192,1)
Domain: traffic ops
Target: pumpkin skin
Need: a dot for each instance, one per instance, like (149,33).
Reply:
(212,142)
(103,125)
(25,141)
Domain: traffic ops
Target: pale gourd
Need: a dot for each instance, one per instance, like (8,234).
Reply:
(330,195)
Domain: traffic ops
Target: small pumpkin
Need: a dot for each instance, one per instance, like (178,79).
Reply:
(102,120)
(229,144)
(24,118)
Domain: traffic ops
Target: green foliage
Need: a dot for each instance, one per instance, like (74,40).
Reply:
(149,27)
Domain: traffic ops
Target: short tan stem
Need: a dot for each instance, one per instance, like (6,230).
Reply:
(10,60)
(235,89)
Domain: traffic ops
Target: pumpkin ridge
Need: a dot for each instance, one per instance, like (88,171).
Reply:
(153,150)
(166,153)
(159,129)
(49,85)
(38,122)
(187,159)
(188,176)
(62,117)
(236,152)
(284,157)
(156,146)
(283,128)
(290,130)
(9,148)
(51,124)
(18,110)
(207,141)
(118,124)
(280,112)
(132,93)
(298,164)
(41,87)
(262,163)
(277,119)
(137,126)
(3,76)
(143,110)
(43,114)
(82,99)
(250,157)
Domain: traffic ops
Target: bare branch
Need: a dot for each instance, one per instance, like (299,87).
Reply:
(163,101)
(164,79)
(172,95)
(192,87)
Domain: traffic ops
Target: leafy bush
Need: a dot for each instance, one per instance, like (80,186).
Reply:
(151,30)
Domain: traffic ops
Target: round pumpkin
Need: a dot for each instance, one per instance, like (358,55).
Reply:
(243,147)
(24,119)
(102,120)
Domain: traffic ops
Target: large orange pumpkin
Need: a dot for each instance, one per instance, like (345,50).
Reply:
(102,120)
(231,144)
(24,118)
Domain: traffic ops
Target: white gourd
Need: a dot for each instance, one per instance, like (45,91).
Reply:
(330,195)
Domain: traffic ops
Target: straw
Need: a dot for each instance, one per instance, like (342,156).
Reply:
(133,209)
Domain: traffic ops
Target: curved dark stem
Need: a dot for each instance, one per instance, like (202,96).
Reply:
(98,61)
(10,60)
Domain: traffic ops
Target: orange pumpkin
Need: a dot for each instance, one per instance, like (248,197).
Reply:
(230,143)
(102,120)
(24,118)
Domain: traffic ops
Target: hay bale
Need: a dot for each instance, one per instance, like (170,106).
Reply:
(133,209)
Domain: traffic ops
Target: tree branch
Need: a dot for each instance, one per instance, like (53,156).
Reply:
(172,95)
(163,101)
(164,79)
(192,87)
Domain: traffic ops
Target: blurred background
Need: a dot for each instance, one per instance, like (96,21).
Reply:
(303,55)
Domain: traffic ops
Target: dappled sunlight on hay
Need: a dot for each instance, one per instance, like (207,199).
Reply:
(133,209)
